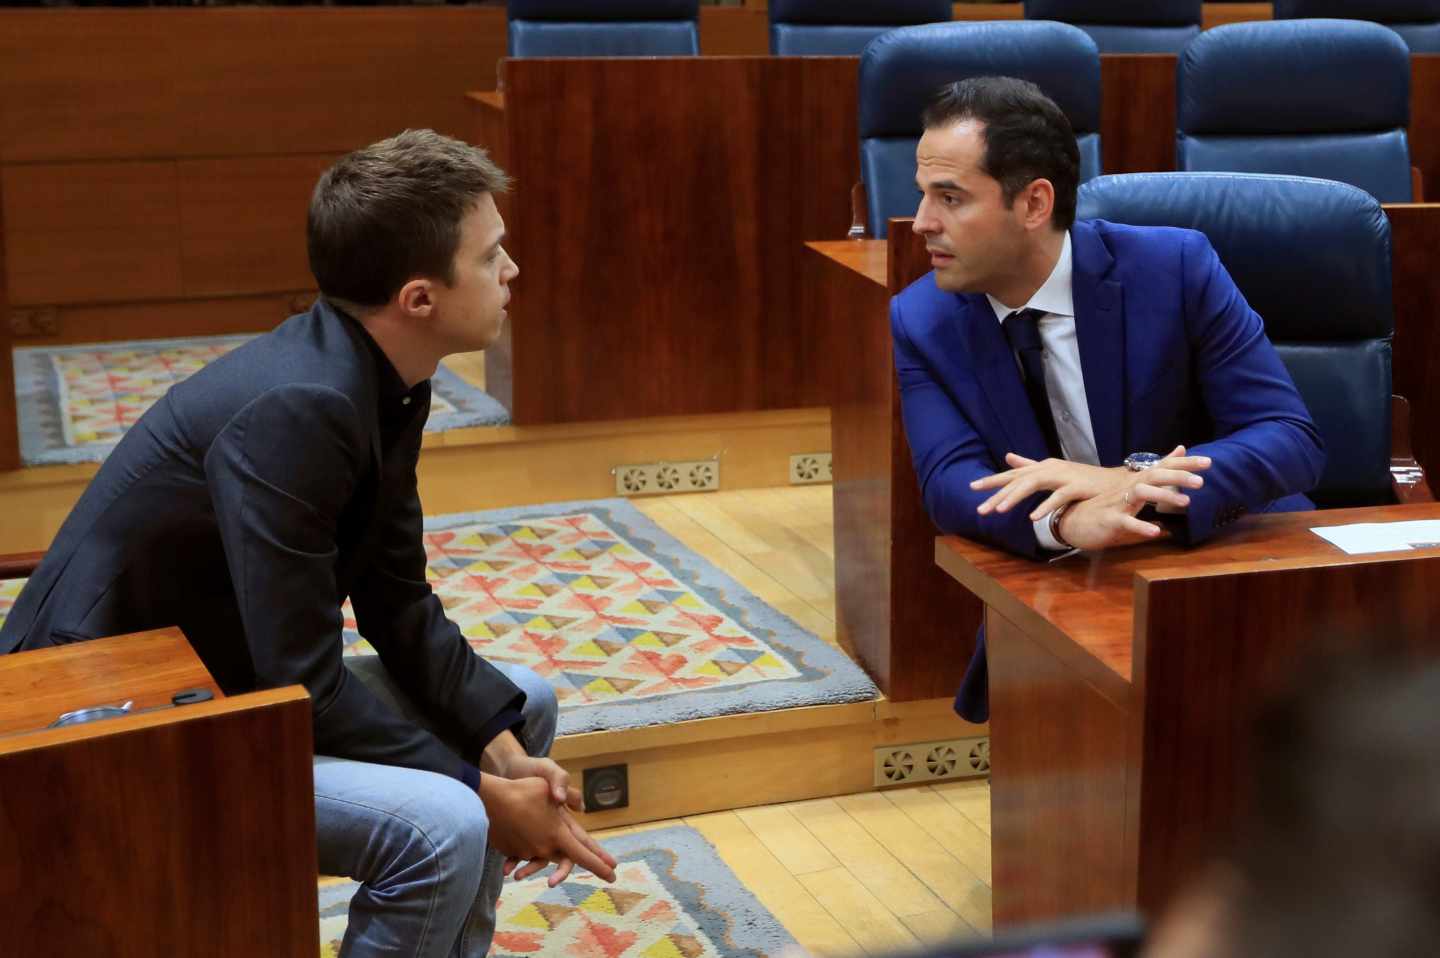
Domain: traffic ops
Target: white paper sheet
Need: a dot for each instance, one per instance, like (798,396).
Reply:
(1361,537)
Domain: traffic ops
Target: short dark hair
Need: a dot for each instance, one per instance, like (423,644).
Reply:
(1027,137)
(391,211)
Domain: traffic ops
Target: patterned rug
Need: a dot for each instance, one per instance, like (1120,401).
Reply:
(628,626)
(672,898)
(77,401)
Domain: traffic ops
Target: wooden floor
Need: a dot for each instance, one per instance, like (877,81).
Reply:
(866,874)
(871,874)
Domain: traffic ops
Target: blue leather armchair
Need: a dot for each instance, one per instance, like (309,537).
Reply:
(1312,257)
(604,28)
(1323,98)
(1417,21)
(841,28)
(901,71)
(1126,26)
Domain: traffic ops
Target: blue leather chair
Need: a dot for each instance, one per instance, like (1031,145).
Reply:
(604,28)
(1126,26)
(1312,257)
(1417,21)
(841,28)
(901,71)
(1323,98)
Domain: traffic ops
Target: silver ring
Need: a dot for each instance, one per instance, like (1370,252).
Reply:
(1127,497)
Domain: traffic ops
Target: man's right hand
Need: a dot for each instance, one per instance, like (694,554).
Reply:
(526,824)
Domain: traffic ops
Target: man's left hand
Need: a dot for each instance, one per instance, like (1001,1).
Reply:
(1069,482)
(506,757)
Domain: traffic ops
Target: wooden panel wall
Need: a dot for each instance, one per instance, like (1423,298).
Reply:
(659,225)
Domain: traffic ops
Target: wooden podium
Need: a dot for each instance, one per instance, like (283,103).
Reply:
(183,830)
(1122,686)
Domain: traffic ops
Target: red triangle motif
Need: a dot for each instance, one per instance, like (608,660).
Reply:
(611,943)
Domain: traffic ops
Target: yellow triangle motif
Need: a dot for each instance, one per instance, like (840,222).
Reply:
(540,622)
(647,641)
(590,650)
(531,590)
(602,687)
(768,661)
(599,902)
(635,608)
(710,668)
(688,601)
(664,948)
(527,534)
(584,582)
(530,917)
(477,630)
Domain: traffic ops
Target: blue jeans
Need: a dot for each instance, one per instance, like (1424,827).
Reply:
(416,841)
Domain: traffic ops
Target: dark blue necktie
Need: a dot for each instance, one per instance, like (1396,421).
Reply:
(1022,329)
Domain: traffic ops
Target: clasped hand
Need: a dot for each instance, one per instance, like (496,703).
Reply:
(1103,502)
(529,802)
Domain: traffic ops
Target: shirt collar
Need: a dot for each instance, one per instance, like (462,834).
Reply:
(1054,296)
(390,385)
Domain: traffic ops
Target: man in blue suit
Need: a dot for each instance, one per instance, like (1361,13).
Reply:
(255,496)
(1045,364)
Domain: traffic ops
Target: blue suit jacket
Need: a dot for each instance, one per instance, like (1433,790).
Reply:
(1171,353)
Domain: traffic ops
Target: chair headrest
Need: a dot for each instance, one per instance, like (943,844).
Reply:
(1127,12)
(1381,11)
(893,12)
(1311,256)
(901,71)
(1294,76)
(592,10)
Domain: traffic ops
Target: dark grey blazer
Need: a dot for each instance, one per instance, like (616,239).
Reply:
(244,507)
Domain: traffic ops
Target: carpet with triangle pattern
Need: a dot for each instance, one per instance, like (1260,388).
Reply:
(672,898)
(75,402)
(629,626)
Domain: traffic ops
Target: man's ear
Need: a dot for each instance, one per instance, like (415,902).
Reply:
(415,299)
(1039,203)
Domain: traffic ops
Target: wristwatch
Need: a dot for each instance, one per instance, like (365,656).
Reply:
(1140,461)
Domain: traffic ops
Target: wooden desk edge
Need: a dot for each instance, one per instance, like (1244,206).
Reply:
(1105,680)
(489,99)
(1144,577)
(15,742)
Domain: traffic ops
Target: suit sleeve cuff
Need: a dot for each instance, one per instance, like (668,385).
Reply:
(509,719)
(470,775)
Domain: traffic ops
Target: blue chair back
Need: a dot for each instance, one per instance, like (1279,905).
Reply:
(1312,257)
(1322,98)
(1126,26)
(901,71)
(841,28)
(1417,21)
(604,28)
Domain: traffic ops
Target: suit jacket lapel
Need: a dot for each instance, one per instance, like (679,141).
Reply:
(979,335)
(1100,332)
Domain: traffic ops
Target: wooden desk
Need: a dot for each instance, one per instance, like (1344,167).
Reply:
(913,627)
(660,210)
(1122,687)
(181,831)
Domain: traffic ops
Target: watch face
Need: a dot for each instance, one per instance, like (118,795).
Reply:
(1140,461)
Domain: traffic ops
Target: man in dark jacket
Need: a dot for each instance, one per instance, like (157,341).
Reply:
(258,494)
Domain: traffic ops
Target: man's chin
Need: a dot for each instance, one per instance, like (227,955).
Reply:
(951,282)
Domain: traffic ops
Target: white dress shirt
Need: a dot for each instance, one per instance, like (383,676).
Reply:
(1064,380)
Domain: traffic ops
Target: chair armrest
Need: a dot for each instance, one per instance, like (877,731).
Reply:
(1407,476)
(859,220)
(19,565)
